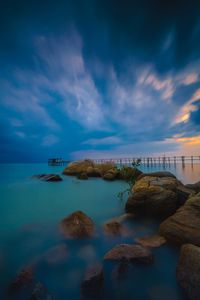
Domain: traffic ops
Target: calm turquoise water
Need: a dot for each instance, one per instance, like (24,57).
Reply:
(30,212)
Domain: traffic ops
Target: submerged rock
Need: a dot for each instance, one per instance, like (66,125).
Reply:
(92,283)
(48,177)
(157,196)
(40,292)
(184,226)
(56,255)
(188,271)
(151,241)
(130,253)
(77,225)
(115,228)
(23,280)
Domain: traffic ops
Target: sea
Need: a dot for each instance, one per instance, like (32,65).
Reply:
(30,214)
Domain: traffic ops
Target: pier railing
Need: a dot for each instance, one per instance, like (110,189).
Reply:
(152,160)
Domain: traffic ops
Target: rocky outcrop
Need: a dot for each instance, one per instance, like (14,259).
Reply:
(48,177)
(151,241)
(184,226)
(194,186)
(77,225)
(107,170)
(93,281)
(157,196)
(188,271)
(130,253)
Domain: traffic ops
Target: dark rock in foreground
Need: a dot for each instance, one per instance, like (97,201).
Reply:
(184,226)
(48,177)
(92,283)
(130,253)
(157,196)
(188,271)
(151,241)
(77,225)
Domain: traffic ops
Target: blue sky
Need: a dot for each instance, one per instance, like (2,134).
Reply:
(99,79)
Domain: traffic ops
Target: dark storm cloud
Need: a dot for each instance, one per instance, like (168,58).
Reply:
(166,33)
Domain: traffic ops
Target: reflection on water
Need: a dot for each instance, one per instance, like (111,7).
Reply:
(30,212)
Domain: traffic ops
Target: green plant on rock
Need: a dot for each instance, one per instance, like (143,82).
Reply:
(129,174)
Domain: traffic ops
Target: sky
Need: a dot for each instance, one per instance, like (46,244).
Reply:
(99,79)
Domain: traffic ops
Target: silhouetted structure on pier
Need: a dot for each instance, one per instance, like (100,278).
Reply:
(57,161)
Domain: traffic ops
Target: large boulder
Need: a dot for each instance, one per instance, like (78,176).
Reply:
(157,196)
(184,226)
(159,174)
(77,225)
(93,172)
(129,253)
(93,281)
(194,186)
(78,167)
(188,271)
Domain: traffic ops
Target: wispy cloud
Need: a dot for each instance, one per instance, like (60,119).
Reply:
(110,140)
(50,140)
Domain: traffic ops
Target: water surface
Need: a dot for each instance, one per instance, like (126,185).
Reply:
(30,212)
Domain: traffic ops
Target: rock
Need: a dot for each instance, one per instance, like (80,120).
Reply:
(184,226)
(127,173)
(48,177)
(188,271)
(92,283)
(40,292)
(151,241)
(82,176)
(93,172)
(158,174)
(109,176)
(195,186)
(115,228)
(78,167)
(23,280)
(130,253)
(56,255)
(156,196)
(77,225)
